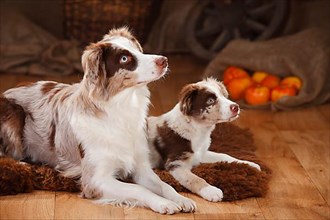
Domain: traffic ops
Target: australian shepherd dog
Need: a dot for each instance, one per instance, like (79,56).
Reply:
(180,138)
(94,130)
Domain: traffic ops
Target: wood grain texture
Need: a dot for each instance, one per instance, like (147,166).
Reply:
(71,206)
(311,148)
(294,144)
(36,205)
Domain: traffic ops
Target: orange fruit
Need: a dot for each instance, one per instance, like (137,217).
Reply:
(270,81)
(281,91)
(233,72)
(259,76)
(237,87)
(257,95)
(292,81)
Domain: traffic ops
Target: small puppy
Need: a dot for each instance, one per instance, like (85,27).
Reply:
(94,130)
(180,138)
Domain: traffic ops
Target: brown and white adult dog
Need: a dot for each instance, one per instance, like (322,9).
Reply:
(180,138)
(95,129)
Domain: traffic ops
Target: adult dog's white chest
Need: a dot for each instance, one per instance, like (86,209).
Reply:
(117,137)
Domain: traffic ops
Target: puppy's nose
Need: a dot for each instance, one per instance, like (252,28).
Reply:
(161,62)
(234,108)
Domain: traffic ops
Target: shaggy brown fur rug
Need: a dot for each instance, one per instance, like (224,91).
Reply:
(237,181)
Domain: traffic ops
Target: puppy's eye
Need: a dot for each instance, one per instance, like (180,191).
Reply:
(210,101)
(124,59)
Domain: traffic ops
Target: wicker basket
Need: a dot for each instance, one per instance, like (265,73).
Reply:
(88,20)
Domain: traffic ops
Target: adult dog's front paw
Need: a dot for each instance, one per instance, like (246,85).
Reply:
(186,204)
(166,207)
(211,193)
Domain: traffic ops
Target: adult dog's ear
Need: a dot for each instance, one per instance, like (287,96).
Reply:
(93,62)
(124,32)
(187,96)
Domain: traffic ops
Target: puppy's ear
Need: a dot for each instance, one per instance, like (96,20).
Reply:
(187,96)
(93,62)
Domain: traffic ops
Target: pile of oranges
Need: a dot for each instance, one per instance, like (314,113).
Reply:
(261,87)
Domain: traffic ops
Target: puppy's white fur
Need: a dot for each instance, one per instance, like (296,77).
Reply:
(202,105)
(95,130)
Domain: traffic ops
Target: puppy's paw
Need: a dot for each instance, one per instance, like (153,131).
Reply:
(251,164)
(186,204)
(211,193)
(166,207)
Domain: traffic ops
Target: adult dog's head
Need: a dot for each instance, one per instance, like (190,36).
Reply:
(117,62)
(207,102)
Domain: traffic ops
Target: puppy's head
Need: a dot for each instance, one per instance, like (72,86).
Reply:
(118,62)
(207,102)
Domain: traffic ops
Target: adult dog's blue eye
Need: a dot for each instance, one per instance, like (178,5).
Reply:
(124,59)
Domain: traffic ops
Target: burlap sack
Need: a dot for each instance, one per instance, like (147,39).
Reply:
(26,48)
(305,54)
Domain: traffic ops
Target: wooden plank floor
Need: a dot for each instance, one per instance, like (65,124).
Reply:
(294,144)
